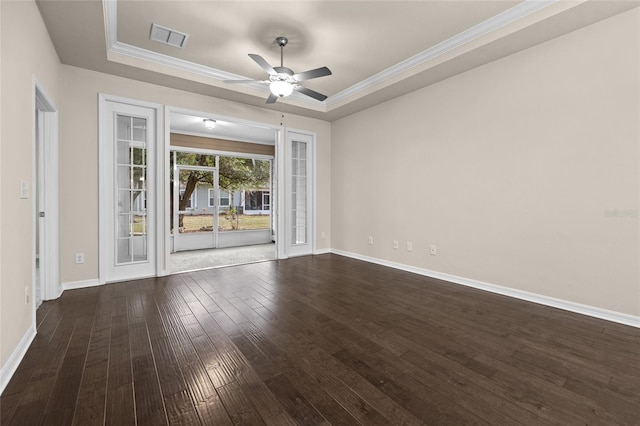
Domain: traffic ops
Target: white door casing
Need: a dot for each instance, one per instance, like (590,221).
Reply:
(46,189)
(299,171)
(128,189)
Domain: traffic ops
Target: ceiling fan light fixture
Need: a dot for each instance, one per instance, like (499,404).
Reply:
(209,123)
(281,88)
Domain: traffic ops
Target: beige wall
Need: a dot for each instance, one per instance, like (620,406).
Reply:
(26,52)
(79,155)
(510,169)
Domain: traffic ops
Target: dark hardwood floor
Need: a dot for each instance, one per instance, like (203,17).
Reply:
(318,340)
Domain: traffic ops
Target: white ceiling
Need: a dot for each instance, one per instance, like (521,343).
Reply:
(377,50)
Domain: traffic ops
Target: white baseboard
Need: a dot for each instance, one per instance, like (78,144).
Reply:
(592,311)
(322,251)
(12,363)
(80,284)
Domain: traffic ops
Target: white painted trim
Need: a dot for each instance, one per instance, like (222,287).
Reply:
(10,367)
(298,250)
(225,138)
(322,251)
(278,206)
(220,117)
(219,153)
(161,176)
(507,17)
(103,178)
(110,13)
(484,28)
(165,242)
(198,69)
(592,311)
(72,285)
(278,161)
(50,287)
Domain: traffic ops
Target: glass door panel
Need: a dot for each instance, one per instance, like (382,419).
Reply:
(299,234)
(128,214)
(131,191)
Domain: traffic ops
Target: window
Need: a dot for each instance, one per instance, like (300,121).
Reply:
(257,200)
(225,200)
(211,196)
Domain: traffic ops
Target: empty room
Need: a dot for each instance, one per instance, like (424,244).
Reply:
(319,212)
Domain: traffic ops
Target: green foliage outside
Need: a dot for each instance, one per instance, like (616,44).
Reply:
(234,174)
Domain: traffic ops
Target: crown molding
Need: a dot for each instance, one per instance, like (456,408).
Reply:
(483,29)
(114,46)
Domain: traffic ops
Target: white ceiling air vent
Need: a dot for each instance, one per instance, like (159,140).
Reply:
(168,36)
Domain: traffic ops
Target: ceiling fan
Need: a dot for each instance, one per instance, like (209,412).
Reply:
(282,81)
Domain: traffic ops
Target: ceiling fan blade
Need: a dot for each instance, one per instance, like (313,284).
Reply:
(311,93)
(264,64)
(242,81)
(308,75)
(272,98)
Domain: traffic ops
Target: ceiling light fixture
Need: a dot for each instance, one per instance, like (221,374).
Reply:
(209,123)
(281,88)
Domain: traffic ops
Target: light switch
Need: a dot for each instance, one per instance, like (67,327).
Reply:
(24,189)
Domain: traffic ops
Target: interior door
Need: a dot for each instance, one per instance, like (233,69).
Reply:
(129,211)
(195,207)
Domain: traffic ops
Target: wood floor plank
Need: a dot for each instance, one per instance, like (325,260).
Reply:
(149,403)
(120,407)
(238,405)
(318,340)
(294,402)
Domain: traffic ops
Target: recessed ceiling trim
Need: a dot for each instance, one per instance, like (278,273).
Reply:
(114,46)
(492,24)
(193,68)
(510,16)
(110,13)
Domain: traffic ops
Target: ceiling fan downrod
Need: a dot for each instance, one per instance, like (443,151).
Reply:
(282,42)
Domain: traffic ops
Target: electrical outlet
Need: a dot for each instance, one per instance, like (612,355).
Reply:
(395,244)
(27,294)
(79,257)
(434,250)
(370,240)
(323,235)
(409,246)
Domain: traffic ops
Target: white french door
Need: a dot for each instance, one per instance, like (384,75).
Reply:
(300,214)
(128,209)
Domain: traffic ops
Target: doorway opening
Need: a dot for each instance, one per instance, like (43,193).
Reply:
(221,186)
(46,281)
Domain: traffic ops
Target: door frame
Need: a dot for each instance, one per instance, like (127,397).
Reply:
(103,187)
(176,200)
(310,247)
(45,140)
(278,178)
